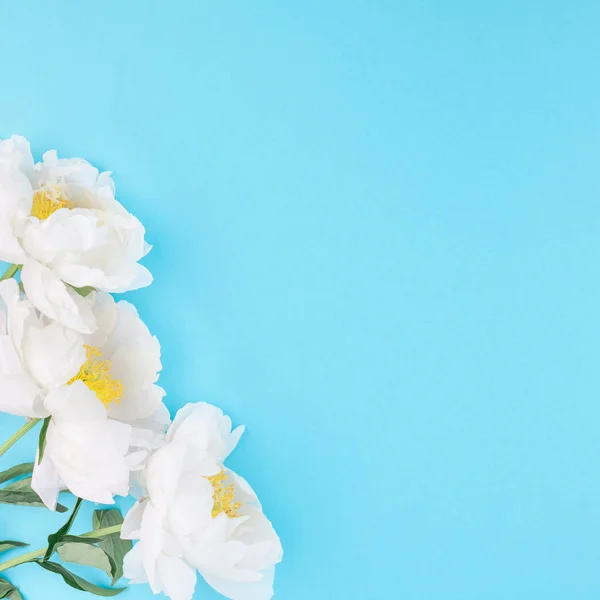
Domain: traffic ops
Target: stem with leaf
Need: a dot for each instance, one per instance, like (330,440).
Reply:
(10,272)
(25,558)
(13,439)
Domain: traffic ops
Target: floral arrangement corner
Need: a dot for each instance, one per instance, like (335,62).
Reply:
(83,370)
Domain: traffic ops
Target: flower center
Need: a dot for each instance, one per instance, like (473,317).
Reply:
(48,200)
(224,496)
(95,373)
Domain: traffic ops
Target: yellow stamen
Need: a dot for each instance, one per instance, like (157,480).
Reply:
(48,200)
(224,497)
(95,373)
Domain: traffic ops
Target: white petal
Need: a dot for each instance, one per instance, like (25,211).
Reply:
(191,507)
(158,420)
(87,449)
(46,482)
(153,538)
(71,170)
(10,249)
(139,277)
(136,406)
(58,239)
(243,590)
(233,440)
(136,460)
(75,403)
(53,354)
(9,292)
(177,577)
(20,315)
(15,153)
(264,546)
(16,196)
(10,361)
(244,492)
(20,395)
(132,523)
(54,299)
(221,558)
(15,203)
(133,566)
(85,246)
(163,475)
(204,426)
(104,308)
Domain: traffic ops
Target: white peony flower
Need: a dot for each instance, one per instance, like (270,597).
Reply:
(99,389)
(124,342)
(59,219)
(199,516)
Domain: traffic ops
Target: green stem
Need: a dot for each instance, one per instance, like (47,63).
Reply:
(24,558)
(10,272)
(11,441)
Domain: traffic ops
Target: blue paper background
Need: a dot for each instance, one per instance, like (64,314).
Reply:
(376,232)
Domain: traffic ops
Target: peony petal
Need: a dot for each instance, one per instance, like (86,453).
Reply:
(140,278)
(132,523)
(54,299)
(243,590)
(10,361)
(57,240)
(163,474)
(15,153)
(153,538)
(20,314)
(10,249)
(87,449)
(20,395)
(53,354)
(46,482)
(75,403)
(134,407)
(133,566)
(104,308)
(177,577)
(15,203)
(191,507)
(204,426)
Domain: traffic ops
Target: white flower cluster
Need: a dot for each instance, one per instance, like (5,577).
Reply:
(88,367)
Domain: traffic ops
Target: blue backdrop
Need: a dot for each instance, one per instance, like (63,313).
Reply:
(376,232)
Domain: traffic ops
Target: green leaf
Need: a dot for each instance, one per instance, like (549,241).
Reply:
(20,484)
(84,291)
(20,498)
(25,496)
(16,471)
(87,555)
(8,590)
(55,538)
(77,582)
(80,539)
(42,440)
(14,594)
(9,545)
(112,544)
